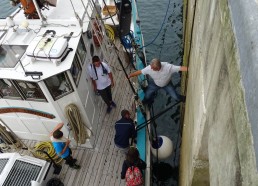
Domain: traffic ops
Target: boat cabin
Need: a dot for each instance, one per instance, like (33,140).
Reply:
(43,68)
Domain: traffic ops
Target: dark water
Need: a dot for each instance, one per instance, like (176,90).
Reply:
(167,47)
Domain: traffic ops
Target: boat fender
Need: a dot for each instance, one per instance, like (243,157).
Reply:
(97,35)
(163,145)
(125,18)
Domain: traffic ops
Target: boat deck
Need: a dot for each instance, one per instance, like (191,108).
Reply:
(101,165)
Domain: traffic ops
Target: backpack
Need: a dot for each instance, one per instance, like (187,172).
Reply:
(133,176)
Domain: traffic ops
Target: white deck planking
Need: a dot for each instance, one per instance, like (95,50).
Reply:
(104,165)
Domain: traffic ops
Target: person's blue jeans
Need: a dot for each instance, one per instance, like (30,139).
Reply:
(152,88)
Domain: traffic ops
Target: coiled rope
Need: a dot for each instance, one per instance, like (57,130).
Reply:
(47,147)
(8,139)
(79,132)
(110,32)
(14,142)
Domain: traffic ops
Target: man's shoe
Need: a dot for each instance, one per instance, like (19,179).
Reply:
(109,109)
(144,102)
(147,103)
(75,166)
(113,104)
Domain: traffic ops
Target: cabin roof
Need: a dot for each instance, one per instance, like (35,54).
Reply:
(62,21)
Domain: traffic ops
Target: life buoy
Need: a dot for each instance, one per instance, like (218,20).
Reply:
(97,34)
(29,9)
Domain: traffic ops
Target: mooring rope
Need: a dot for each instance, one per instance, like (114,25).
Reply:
(162,24)
(79,132)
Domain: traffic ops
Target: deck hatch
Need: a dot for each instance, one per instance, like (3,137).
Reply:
(3,162)
(22,173)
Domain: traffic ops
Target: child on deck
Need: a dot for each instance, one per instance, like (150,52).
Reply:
(61,146)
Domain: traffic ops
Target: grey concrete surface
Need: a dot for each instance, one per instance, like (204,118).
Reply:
(220,132)
(245,21)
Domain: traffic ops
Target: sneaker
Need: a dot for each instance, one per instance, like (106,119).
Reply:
(75,166)
(109,109)
(113,104)
(74,160)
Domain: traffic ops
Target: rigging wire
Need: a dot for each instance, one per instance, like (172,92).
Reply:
(155,132)
(160,27)
(144,124)
(119,60)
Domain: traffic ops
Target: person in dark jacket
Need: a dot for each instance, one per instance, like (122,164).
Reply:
(125,130)
(132,159)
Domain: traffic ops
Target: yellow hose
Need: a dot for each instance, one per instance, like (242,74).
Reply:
(49,148)
(110,32)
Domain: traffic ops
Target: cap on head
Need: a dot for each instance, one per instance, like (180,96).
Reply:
(124,112)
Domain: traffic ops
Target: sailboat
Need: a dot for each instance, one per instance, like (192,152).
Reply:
(46,47)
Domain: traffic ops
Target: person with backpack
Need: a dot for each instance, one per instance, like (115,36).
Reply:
(133,166)
(102,81)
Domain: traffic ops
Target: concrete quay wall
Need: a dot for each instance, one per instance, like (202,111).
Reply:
(220,128)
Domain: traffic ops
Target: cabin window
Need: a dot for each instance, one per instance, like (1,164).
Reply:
(8,90)
(58,86)
(10,55)
(76,70)
(31,90)
(81,51)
